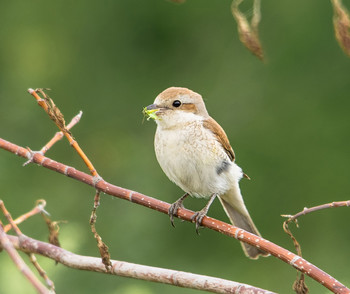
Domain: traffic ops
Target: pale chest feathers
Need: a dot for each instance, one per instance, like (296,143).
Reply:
(193,159)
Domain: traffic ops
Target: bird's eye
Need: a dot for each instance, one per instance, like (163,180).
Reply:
(176,103)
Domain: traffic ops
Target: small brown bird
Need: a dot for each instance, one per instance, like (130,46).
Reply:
(195,153)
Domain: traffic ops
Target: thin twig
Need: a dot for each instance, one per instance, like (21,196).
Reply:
(315,208)
(299,284)
(40,205)
(102,247)
(55,114)
(125,269)
(9,218)
(41,271)
(59,135)
(18,261)
(185,214)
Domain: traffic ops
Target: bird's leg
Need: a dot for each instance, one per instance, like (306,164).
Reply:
(174,208)
(199,215)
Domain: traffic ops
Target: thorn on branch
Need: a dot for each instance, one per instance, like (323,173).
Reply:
(30,156)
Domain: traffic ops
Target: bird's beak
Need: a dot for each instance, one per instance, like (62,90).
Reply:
(152,107)
(151,111)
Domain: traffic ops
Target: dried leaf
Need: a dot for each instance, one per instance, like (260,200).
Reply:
(299,285)
(341,23)
(53,111)
(248,31)
(53,230)
(102,247)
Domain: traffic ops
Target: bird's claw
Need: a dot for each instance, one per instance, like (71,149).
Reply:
(198,218)
(175,207)
(173,211)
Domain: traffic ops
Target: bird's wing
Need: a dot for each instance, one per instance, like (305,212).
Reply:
(220,136)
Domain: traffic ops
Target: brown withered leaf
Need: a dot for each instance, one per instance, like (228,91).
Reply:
(248,30)
(299,285)
(54,112)
(102,247)
(53,230)
(341,22)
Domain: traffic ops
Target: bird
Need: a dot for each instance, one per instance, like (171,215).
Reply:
(194,152)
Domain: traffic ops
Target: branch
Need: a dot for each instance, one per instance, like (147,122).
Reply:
(315,208)
(59,135)
(125,269)
(288,257)
(300,281)
(40,205)
(57,117)
(6,244)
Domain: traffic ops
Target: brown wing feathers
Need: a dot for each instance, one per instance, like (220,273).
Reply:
(220,135)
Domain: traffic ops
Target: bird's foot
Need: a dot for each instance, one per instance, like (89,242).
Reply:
(198,218)
(199,215)
(175,207)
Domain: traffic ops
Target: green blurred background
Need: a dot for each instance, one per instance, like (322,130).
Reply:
(287,120)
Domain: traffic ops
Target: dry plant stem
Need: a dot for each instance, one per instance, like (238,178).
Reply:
(185,214)
(300,282)
(248,31)
(71,141)
(9,218)
(37,209)
(316,208)
(16,258)
(102,247)
(299,285)
(125,269)
(341,22)
(59,135)
(40,270)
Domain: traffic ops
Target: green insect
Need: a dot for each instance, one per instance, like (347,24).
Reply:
(150,113)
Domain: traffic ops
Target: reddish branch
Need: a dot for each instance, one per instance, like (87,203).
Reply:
(316,208)
(55,115)
(299,285)
(59,135)
(37,209)
(125,269)
(7,245)
(296,261)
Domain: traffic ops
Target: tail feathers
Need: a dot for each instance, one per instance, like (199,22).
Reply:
(243,221)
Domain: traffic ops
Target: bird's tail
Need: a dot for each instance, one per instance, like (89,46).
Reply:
(239,216)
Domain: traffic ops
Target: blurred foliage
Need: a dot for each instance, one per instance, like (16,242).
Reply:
(287,119)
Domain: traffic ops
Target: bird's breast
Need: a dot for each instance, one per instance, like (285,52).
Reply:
(192,158)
